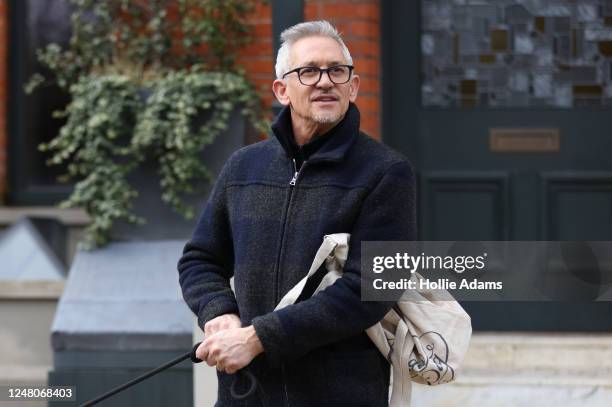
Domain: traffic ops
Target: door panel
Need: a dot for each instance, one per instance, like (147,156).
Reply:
(451,201)
(586,199)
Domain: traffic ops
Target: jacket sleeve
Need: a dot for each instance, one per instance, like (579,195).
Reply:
(207,262)
(337,312)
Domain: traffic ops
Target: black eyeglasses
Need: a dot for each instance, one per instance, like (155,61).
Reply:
(311,75)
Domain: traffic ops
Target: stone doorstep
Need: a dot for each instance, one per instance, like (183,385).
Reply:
(508,395)
(31,290)
(535,378)
(532,338)
(538,359)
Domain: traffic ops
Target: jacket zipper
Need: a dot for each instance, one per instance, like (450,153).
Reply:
(292,182)
(285,385)
(295,174)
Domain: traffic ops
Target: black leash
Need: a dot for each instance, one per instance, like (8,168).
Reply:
(243,373)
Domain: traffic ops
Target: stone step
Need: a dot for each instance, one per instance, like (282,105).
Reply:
(528,369)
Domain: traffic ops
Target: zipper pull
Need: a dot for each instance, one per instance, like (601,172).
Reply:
(295,174)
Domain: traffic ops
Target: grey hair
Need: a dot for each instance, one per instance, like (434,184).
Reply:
(292,34)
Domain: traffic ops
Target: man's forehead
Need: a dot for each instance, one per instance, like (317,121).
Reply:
(317,51)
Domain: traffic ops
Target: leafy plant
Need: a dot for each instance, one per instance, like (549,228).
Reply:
(148,80)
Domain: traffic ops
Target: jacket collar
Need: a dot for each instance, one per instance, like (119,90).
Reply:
(337,141)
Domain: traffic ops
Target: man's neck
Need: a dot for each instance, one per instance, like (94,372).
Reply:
(306,130)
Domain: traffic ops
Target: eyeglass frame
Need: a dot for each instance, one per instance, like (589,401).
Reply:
(321,70)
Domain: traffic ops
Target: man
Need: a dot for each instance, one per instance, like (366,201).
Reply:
(267,214)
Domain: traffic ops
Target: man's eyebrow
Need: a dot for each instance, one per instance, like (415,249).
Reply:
(317,63)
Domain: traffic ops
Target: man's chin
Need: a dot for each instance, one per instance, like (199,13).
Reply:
(326,118)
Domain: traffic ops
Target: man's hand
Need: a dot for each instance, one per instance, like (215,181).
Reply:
(220,323)
(230,349)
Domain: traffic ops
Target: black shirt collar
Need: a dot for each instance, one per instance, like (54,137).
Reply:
(329,146)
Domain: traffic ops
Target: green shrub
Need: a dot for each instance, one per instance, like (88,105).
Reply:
(141,76)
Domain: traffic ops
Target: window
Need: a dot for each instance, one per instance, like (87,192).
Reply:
(33,24)
(501,53)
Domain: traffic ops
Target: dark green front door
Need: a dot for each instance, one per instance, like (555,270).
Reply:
(506,111)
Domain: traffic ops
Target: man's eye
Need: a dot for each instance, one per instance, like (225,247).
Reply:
(309,71)
(338,69)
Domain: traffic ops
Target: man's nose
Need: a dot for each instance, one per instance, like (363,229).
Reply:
(325,82)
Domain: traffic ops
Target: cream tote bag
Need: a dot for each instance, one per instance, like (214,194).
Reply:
(424,337)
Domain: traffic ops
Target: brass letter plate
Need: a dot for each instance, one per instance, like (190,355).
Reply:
(514,140)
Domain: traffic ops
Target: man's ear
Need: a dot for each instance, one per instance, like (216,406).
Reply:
(279,87)
(354,88)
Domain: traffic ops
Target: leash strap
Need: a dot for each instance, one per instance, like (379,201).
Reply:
(118,389)
(253,387)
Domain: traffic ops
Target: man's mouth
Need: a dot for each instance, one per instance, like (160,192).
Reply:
(325,99)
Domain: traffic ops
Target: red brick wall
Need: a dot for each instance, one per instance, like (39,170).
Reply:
(359,23)
(3,95)
(258,57)
(357,20)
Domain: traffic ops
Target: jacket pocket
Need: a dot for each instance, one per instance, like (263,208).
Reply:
(357,378)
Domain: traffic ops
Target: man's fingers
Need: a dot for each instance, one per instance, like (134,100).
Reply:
(211,359)
(228,350)
(202,351)
(209,328)
(213,327)
(226,321)
(213,355)
(228,365)
(231,369)
(208,351)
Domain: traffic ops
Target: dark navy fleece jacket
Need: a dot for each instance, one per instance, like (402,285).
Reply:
(264,231)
